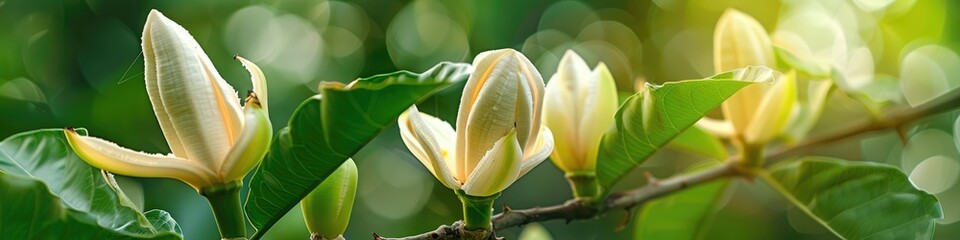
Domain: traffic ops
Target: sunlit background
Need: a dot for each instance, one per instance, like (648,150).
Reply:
(78,63)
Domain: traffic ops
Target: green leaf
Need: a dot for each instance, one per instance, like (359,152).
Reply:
(857,200)
(683,215)
(651,118)
(695,140)
(331,127)
(50,193)
(162,221)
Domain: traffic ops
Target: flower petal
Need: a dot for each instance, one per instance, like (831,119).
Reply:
(258,79)
(539,151)
(560,116)
(774,110)
(529,102)
(492,116)
(740,41)
(719,127)
(431,140)
(498,168)
(108,156)
(600,107)
(580,108)
(565,109)
(484,65)
(153,89)
(251,145)
(203,110)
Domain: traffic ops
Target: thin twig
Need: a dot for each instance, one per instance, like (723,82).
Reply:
(578,209)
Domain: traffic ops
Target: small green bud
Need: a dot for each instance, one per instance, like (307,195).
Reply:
(326,210)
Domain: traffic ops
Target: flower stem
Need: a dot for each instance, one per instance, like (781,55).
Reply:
(584,184)
(751,156)
(476,214)
(224,199)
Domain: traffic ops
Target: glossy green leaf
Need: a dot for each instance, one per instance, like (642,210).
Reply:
(329,128)
(697,141)
(53,194)
(682,215)
(857,200)
(653,117)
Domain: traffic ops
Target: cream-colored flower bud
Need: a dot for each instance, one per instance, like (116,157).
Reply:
(757,113)
(499,136)
(580,108)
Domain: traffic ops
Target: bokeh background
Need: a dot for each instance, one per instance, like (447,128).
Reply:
(77,63)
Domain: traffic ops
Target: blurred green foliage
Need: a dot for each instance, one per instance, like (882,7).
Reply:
(77,63)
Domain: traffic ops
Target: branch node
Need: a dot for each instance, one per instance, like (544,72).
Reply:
(651,180)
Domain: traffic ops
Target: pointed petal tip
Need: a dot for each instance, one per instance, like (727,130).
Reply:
(601,68)
(257,78)
(154,16)
(570,55)
(733,13)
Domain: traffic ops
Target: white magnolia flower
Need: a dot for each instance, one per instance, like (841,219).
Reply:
(580,108)
(499,137)
(759,112)
(213,139)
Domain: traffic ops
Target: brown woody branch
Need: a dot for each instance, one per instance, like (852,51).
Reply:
(578,209)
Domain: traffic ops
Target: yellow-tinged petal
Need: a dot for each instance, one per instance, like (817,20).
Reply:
(203,111)
(774,111)
(492,116)
(740,41)
(498,168)
(485,106)
(558,116)
(113,158)
(600,108)
(721,128)
(484,65)
(251,145)
(564,112)
(538,152)
(529,112)
(431,141)
(258,79)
